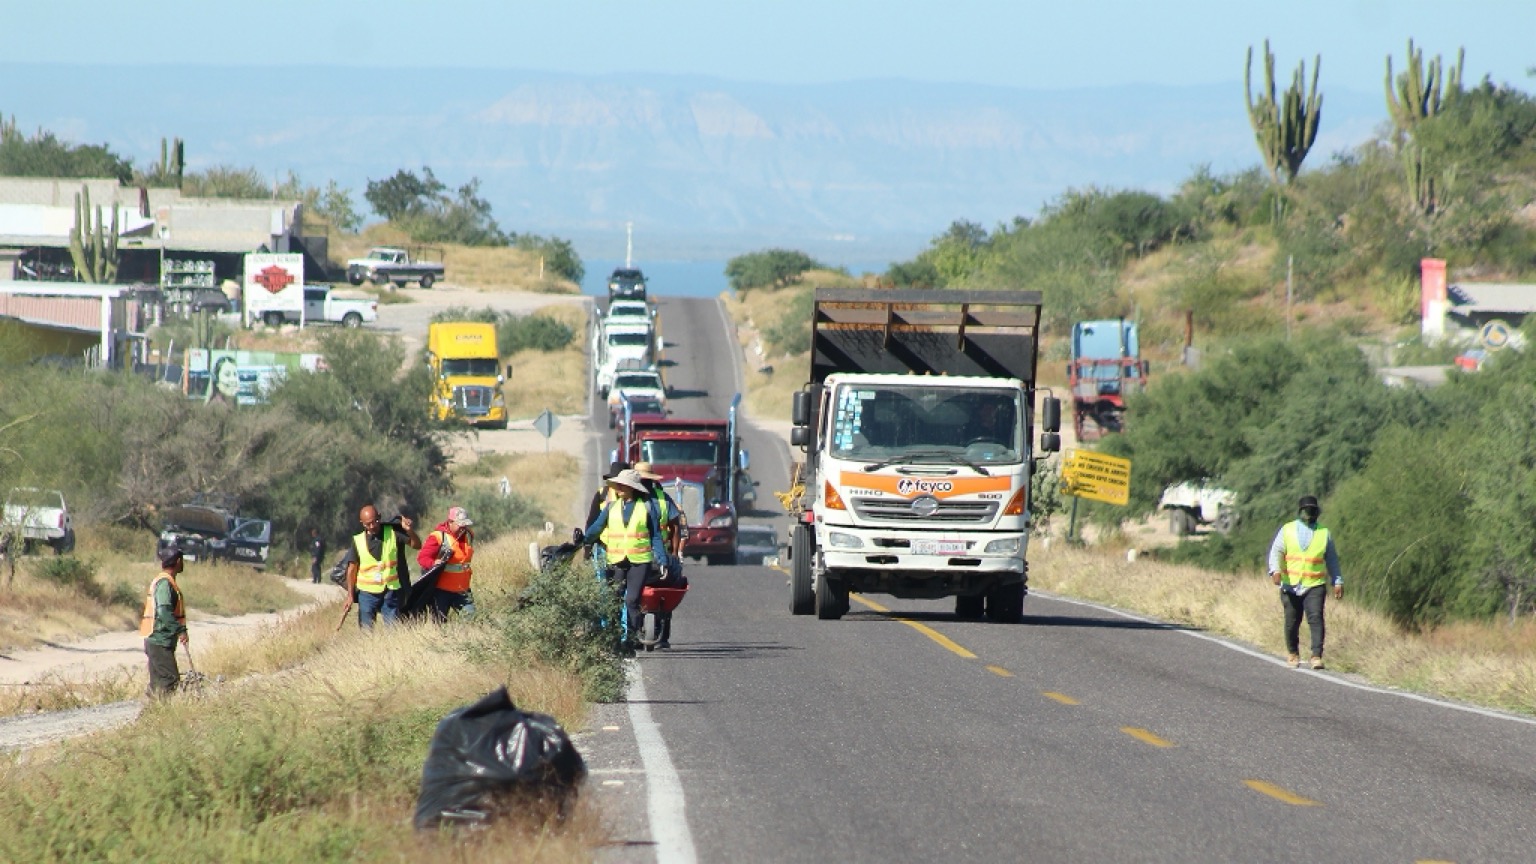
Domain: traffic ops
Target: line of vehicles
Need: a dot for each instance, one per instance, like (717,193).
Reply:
(701,461)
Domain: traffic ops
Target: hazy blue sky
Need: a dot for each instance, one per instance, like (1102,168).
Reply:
(1020,43)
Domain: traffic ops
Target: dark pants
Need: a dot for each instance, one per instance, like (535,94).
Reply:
(314,571)
(632,576)
(1311,602)
(444,602)
(164,675)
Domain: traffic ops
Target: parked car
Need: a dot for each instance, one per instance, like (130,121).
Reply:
(38,516)
(322,304)
(389,265)
(756,543)
(208,533)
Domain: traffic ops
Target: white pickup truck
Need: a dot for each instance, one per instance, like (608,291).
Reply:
(389,265)
(322,304)
(38,516)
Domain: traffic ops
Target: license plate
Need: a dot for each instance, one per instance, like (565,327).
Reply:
(938,547)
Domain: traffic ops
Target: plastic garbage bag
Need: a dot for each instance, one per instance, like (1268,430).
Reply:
(490,758)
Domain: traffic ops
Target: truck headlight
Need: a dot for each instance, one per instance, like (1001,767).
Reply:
(1005,546)
(844,541)
(721,522)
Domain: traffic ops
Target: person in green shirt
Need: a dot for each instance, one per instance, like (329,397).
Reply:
(163,624)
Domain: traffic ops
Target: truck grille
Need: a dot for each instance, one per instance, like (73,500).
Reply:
(877,510)
(473,400)
(689,497)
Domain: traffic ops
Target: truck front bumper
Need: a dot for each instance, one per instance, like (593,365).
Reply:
(921,564)
(710,541)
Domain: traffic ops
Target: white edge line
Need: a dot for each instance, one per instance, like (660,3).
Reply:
(730,336)
(664,790)
(1268,658)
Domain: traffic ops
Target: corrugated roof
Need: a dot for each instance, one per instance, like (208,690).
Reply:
(1492,297)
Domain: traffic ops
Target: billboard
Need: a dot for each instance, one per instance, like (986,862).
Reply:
(241,377)
(274,282)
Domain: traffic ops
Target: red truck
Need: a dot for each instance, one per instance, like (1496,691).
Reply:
(702,466)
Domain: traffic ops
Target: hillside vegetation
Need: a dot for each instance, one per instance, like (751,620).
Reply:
(1427,490)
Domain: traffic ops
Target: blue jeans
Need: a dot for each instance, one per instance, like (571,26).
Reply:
(385,604)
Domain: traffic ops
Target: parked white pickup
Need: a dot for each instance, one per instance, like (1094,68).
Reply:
(322,304)
(39,516)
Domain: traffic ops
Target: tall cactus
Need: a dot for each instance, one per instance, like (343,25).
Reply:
(173,162)
(8,128)
(1285,129)
(93,249)
(1421,92)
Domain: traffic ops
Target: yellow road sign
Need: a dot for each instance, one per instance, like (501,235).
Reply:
(1095,476)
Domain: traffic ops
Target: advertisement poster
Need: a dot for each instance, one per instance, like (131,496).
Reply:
(273,283)
(241,377)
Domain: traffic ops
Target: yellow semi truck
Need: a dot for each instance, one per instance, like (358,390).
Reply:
(467,373)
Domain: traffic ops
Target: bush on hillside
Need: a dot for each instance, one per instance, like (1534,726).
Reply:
(532,333)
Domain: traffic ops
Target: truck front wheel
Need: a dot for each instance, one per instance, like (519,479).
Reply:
(427,280)
(354,277)
(831,598)
(1005,603)
(970,608)
(802,596)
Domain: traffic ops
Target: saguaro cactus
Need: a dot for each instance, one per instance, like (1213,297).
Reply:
(1284,129)
(93,249)
(173,161)
(1419,93)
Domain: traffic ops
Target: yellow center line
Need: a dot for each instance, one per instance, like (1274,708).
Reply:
(1146,737)
(1059,697)
(943,641)
(1279,794)
(998,670)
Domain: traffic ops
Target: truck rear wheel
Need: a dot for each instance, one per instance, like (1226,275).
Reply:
(1005,603)
(831,598)
(272,319)
(802,596)
(382,280)
(1180,522)
(427,280)
(352,319)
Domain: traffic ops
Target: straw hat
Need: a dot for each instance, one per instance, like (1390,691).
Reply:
(631,479)
(644,470)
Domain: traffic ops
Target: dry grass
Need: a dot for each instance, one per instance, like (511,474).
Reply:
(768,394)
(1490,663)
(555,380)
(477,268)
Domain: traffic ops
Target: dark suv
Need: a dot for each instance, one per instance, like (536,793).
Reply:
(626,283)
(205,533)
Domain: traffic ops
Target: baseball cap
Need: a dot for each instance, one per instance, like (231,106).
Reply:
(1308,503)
(170,555)
(459,516)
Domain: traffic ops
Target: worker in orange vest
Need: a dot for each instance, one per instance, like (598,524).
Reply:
(163,623)
(452,545)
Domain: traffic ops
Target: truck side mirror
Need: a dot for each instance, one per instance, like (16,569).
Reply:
(1050,442)
(799,436)
(800,408)
(613,456)
(509,371)
(745,459)
(1050,417)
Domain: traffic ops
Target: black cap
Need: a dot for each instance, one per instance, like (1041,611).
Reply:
(1308,503)
(170,555)
(615,468)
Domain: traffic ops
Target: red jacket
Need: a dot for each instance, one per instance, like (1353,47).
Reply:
(456,574)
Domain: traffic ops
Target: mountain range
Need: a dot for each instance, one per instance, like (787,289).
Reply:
(703,168)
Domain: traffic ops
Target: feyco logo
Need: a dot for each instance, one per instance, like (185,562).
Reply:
(913,486)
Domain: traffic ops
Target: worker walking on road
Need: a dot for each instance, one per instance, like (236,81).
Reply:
(451,544)
(163,625)
(674,533)
(373,568)
(1303,561)
(630,530)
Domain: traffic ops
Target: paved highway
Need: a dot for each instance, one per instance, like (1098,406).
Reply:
(902,734)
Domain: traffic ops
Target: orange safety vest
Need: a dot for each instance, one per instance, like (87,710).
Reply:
(456,573)
(147,619)
(377,575)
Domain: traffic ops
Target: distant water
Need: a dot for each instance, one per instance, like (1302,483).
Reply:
(683,278)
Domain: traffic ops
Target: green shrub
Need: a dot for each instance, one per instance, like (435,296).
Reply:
(569,619)
(791,334)
(75,574)
(494,515)
(532,332)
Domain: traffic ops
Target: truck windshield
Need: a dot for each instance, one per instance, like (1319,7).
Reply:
(934,424)
(484,367)
(629,339)
(678,452)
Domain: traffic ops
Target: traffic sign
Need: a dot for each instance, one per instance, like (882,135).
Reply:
(546,424)
(1096,476)
(1494,335)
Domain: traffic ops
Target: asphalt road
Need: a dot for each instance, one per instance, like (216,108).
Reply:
(902,734)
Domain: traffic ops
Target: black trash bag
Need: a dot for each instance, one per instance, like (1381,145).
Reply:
(552,556)
(490,758)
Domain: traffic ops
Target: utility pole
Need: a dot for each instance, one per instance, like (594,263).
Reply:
(1290,265)
(629,245)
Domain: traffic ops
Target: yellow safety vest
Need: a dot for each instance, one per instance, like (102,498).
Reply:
(631,542)
(147,619)
(456,573)
(1305,567)
(377,575)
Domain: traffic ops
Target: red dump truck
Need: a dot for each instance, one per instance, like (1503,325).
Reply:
(702,464)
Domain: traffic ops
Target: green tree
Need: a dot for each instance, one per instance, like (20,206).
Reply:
(559,256)
(44,155)
(404,194)
(770,268)
(227,181)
